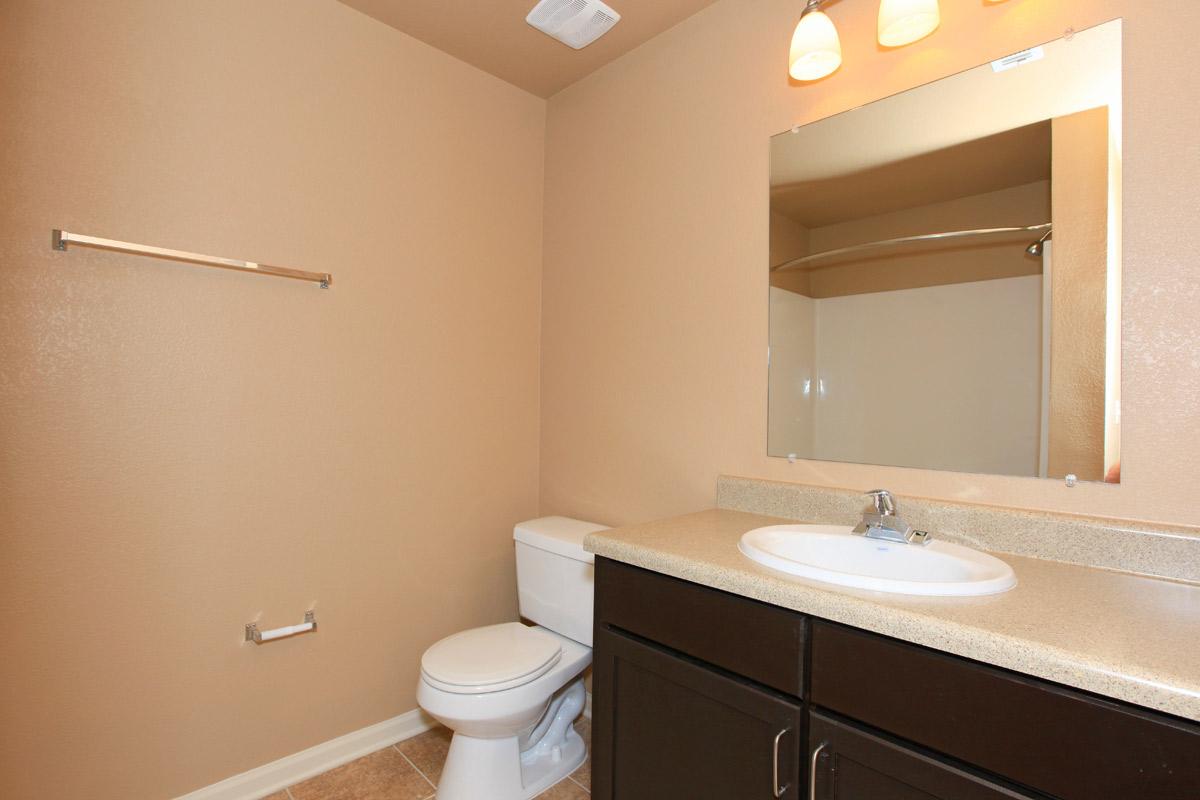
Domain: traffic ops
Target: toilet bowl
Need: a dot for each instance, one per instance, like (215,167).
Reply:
(510,692)
(513,740)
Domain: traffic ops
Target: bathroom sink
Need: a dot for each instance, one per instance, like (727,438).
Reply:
(832,554)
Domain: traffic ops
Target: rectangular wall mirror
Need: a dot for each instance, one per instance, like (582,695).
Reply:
(945,272)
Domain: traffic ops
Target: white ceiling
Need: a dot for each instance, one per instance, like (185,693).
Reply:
(493,35)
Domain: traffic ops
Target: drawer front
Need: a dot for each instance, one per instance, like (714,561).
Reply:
(758,641)
(1044,736)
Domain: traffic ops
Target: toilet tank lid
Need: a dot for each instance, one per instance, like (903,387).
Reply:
(560,535)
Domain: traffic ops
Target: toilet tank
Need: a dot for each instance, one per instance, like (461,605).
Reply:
(555,575)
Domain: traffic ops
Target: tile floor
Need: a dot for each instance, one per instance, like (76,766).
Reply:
(409,770)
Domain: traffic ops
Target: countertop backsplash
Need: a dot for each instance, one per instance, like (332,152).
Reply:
(1159,551)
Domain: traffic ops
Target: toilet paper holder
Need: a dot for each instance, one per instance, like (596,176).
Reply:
(253,634)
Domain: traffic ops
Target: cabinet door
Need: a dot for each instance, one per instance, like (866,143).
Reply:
(850,764)
(664,726)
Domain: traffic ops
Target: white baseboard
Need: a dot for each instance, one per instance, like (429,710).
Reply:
(587,706)
(288,770)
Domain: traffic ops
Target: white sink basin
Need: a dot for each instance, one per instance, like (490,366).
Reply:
(831,553)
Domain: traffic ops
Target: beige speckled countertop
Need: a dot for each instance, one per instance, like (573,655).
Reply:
(1116,634)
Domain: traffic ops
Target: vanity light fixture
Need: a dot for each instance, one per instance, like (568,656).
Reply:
(816,50)
(903,22)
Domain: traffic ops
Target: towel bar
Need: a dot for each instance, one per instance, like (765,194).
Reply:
(62,238)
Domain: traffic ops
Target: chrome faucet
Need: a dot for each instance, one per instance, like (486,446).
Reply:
(885,524)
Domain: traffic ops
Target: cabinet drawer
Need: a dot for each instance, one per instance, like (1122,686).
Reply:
(759,641)
(1052,739)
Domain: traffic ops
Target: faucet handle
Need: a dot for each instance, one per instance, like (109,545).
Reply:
(885,505)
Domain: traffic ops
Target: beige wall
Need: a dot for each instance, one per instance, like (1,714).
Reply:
(654,334)
(183,450)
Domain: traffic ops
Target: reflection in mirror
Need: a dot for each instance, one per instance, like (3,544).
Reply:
(945,272)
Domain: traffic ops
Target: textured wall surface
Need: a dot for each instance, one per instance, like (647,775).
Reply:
(183,450)
(655,330)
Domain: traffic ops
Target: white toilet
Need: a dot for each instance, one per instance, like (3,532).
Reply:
(510,692)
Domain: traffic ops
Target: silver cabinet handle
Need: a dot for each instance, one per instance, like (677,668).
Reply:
(779,790)
(812,771)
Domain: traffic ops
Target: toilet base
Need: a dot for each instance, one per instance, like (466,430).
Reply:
(511,769)
(545,772)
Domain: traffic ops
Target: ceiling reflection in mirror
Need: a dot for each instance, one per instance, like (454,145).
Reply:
(945,272)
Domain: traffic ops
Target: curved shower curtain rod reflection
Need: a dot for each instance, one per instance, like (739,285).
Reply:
(1034,249)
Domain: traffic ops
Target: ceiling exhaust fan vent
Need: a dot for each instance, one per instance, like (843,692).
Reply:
(575,23)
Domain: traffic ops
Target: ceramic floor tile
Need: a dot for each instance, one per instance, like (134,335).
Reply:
(428,751)
(566,789)
(583,726)
(277,796)
(583,775)
(382,775)
(389,775)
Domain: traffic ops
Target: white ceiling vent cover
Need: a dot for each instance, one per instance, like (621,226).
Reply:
(577,23)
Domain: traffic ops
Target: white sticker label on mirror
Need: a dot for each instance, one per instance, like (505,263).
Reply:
(1017,59)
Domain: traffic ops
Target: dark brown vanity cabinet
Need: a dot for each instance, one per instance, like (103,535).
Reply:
(700,694)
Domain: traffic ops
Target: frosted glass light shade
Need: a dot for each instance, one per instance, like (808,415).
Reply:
(903,22)
(816,50)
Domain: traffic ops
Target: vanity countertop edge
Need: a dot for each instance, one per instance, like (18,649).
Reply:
(1120,635)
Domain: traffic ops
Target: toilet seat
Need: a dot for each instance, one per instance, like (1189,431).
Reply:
(490,659)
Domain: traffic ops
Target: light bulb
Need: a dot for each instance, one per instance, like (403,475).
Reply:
(816,50)
(903,22)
